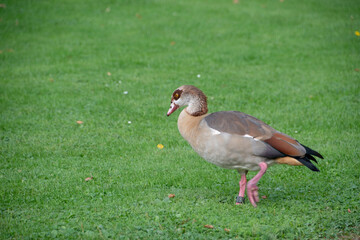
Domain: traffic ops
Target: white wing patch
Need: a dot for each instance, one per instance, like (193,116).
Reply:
(248,136)
(214,132)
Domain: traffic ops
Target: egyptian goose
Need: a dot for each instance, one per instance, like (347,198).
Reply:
(235,140)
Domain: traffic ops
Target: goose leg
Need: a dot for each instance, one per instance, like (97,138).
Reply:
(240,198)
(252,188)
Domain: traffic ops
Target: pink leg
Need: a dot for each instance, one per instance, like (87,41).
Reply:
(240,199)
(252,188)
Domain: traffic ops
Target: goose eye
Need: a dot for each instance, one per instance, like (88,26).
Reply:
(176,96)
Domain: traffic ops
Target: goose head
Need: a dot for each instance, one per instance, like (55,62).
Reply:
(190,96)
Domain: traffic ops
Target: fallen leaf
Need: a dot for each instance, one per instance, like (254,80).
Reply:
(264,197)
(349,211)
(357,33)
(51,80)
(109,73)
(226,230)
(171,195)
(235,1)
(172,43)
(2,5)
(79,122)
(281,0)
(89,179)
(10,50)
(1,51)
(160,146)
(356,69)
(138,16)
(209,226)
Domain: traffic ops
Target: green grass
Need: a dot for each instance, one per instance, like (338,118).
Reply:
(291,64)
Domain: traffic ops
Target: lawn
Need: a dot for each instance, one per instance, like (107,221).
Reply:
(113,65)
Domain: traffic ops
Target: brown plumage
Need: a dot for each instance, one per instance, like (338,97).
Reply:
(235,140)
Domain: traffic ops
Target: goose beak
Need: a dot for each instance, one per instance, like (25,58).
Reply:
(172,109)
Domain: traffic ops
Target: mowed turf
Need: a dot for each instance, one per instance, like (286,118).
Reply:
(114,64)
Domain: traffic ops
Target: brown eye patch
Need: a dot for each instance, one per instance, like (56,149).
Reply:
(177,94)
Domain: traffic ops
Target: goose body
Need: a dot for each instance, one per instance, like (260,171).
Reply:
(235,140)
(218,147)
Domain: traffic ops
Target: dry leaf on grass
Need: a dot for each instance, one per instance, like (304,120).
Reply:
(89,179)
(209,226)
(226,230)
(79,122)
(264,197)
(171,195)
(349,211)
